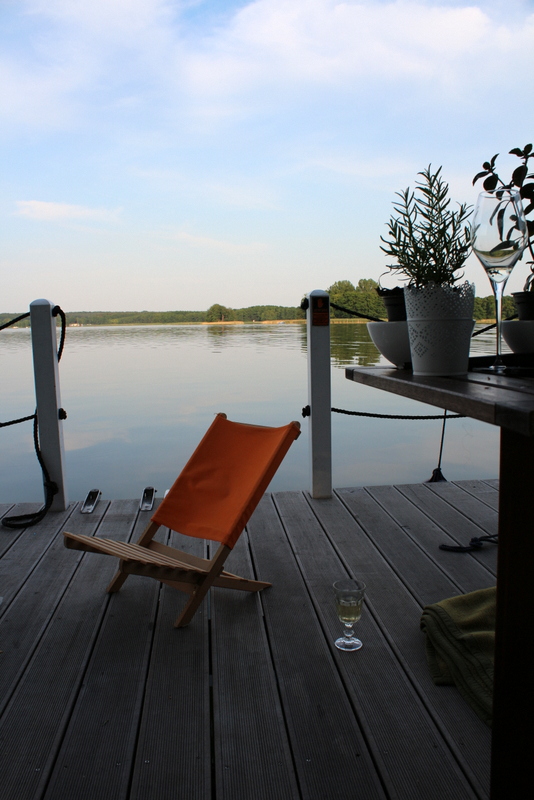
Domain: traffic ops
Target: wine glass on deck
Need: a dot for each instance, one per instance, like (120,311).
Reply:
(349,599)
(499,238)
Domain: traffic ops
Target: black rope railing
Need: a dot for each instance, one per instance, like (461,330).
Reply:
(16,421)
(13,321)
(355,313)
(391,416)
(50,487)
(306,412)
(490,327)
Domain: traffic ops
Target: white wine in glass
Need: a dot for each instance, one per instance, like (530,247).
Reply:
(349,600)
(499,238)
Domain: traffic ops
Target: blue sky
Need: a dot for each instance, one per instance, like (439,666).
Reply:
(170,155)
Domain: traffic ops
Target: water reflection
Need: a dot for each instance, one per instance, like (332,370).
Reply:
(352,345)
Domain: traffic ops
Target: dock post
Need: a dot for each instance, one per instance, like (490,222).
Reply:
(319,393)
(48,400)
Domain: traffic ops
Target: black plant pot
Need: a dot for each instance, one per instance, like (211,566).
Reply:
(524,303)
(394,302)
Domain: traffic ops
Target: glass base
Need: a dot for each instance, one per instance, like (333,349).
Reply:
(348,644)
(495,369)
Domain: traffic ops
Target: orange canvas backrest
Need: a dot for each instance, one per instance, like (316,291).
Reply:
(224,480)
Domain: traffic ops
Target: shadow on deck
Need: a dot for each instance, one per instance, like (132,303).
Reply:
(102,698)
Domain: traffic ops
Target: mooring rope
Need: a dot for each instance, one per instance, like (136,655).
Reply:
(51,487)
(355,313)
(12,321)
(390,416)
(306,412)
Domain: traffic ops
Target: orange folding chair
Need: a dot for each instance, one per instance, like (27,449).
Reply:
(212,498)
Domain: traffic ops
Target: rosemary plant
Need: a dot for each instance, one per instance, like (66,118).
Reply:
(429,241)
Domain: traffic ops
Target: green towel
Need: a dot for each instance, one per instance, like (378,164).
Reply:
(460,642)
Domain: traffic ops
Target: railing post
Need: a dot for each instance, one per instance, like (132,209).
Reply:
(319,392)
(48,400)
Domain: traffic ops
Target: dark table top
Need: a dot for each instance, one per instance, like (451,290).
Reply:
(499,400)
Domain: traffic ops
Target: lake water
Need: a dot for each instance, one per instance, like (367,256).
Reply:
(139,399)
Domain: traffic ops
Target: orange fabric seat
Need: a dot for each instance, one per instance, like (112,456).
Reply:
(224,480)
(213,498)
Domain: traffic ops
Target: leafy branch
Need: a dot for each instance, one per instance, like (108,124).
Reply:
(429,241)
(522,181)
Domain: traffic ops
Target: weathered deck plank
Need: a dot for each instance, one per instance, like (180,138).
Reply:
(252,752)
(486,491)
(101,697)
(174,738)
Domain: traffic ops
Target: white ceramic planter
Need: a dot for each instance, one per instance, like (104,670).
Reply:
(440,324)
(519,335)
(391,339)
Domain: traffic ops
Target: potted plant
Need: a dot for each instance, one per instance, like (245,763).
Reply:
(523,182)
(430,243)
(391,337)
(393,300)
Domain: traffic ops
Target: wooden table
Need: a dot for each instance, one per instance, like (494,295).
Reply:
(509,403)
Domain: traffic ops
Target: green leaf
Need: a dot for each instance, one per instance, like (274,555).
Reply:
(528,149)
(486,165)
(481,175)
(519,175)
(529,208)
(507,245)
(490,183)
(516,152)
(527,190)
(493,160)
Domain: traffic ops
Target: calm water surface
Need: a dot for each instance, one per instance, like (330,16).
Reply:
(139,399)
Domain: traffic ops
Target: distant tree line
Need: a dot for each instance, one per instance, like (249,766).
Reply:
(216,313)
(362,298)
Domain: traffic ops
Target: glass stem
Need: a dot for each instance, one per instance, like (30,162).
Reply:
(498,291)
(349,633)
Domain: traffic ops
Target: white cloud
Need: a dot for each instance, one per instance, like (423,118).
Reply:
(327,42)
(219,245)
(56,212)
(88,56)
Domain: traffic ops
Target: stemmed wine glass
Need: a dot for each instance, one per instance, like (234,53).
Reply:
(349,599)
(499,238)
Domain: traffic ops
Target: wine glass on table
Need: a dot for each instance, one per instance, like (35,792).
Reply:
(349,599)
(499,238)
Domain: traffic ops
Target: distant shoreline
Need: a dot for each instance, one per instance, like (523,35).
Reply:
(333,321)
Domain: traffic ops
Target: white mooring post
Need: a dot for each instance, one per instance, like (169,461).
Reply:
(319,393)
(48,400)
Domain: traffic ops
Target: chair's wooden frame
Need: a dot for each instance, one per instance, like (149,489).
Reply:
(173,567)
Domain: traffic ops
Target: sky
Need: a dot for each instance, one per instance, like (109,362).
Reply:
(168,155)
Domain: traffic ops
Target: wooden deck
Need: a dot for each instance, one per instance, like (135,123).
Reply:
(101,697)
